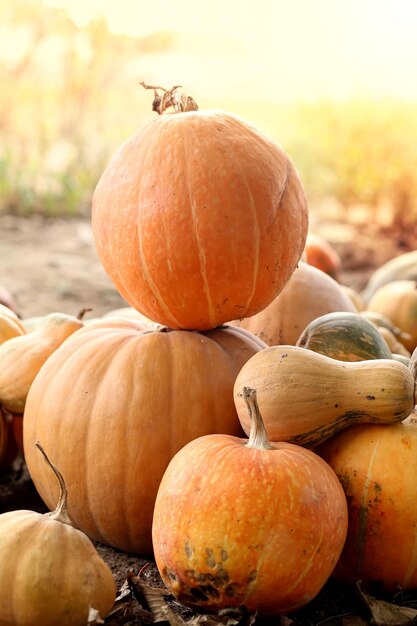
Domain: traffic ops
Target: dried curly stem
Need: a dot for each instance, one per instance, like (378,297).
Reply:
(258,437)
(171,98)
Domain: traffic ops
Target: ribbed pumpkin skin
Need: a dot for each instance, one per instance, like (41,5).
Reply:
(199,219)
(112,406)
(50,573)
(377,466)
(240,526)
(309,293)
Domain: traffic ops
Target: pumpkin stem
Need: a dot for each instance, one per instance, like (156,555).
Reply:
(171,97)
(258,437)
(61,512)
(83,312)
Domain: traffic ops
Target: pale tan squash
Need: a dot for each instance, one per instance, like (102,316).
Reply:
(22,357)
(308,294)
(306,397)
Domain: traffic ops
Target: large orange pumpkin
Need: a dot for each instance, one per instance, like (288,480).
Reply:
(113,405)
(199,219)
(377,466)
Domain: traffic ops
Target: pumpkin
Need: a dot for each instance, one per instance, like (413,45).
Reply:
(308,294)
(10,325)
(50,572)
(306,397)
(377,466)
(22,357)
(401,267)
(248,523)
(322,254)
(344,336)
(398,302)
(199,219)
(141,396)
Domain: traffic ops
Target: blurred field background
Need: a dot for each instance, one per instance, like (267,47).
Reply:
(332,81)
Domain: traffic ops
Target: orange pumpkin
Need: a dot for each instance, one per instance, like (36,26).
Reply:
(248,523)
(321,254)
(308,294)
(199,219)
(377,466)
(113,405)
(10,324)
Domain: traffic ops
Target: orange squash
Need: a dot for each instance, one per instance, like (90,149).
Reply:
(248,523)
(308,294)
(199,219)
(10,324)
(377,466)
(21,357)
(321,254)
(113,405)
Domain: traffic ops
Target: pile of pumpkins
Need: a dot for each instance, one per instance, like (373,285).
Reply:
(247,420)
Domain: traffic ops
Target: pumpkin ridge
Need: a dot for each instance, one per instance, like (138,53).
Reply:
(200,250)
(363,513)
(145,269)
(256,234)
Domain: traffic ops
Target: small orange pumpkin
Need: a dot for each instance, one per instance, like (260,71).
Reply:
(248,523)
(321,254)
(199,219)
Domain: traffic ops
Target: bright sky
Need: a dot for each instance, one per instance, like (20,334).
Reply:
(288,49)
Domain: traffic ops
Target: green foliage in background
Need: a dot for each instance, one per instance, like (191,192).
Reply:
(71,95)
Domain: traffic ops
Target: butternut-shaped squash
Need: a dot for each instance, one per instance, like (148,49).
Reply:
(344,336)
(306,397)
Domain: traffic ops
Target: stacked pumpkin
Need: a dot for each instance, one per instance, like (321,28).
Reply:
(199,220)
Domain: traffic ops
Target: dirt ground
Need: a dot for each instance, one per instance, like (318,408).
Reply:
(51,265)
